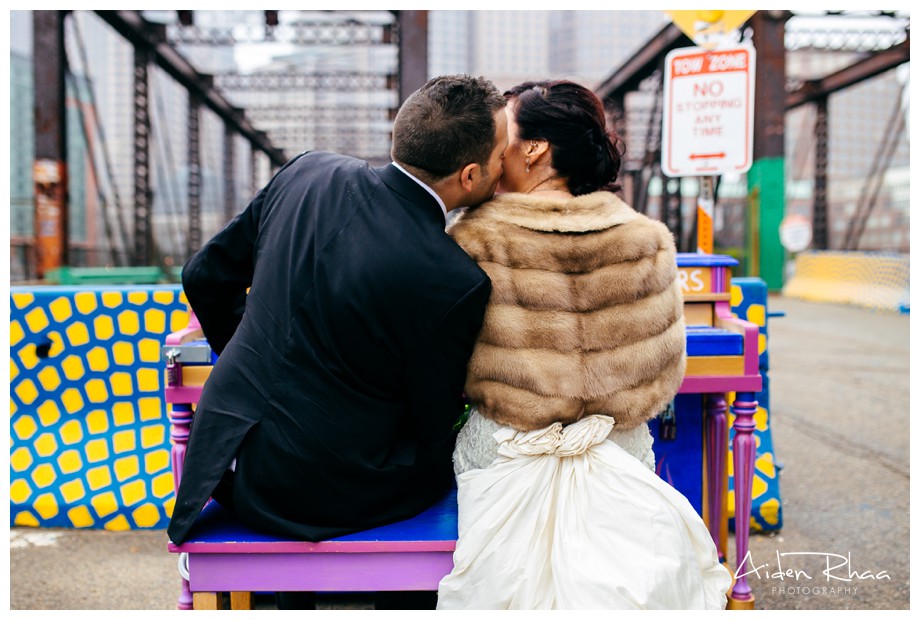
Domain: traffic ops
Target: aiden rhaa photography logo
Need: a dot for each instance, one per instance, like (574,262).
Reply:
(810,573)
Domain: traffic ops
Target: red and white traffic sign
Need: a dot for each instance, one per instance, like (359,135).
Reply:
(795,232)
(708,124)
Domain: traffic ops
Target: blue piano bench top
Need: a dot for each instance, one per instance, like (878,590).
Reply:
(216,524)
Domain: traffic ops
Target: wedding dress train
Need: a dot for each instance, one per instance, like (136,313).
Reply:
(565,518)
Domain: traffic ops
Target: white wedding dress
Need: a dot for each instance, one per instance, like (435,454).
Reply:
(565,518)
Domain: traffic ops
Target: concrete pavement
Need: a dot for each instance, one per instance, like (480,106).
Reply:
(840,421)
(840,396)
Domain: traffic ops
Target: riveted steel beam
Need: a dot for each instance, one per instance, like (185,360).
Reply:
(346,32)
(152,37)
(643,63)
(412,30)
(819,219)
(229,174)
(194,175)
(143,200)
(872,65)
(50,165)
(273,81)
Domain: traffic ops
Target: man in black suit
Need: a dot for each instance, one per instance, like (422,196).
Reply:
(330,408)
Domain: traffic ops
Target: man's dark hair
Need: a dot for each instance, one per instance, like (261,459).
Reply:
(446,124)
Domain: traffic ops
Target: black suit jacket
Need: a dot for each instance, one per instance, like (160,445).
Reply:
(341,373)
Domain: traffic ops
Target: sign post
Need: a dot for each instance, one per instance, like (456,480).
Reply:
(705,206)
(708,121)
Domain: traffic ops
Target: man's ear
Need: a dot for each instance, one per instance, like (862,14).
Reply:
(469,177)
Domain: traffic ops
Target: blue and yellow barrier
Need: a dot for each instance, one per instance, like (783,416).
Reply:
(88,426)
(749,302)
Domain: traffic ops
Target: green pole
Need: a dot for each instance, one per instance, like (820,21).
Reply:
(767,206)
(766,179)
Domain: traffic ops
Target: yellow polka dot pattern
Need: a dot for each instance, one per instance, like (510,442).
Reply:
(749,302)
(89,428)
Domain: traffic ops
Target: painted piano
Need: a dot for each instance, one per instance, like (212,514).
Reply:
(722,359)
(224,556)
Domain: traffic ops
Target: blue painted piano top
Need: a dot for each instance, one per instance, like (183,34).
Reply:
(690,259)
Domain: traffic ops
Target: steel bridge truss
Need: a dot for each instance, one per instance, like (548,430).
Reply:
(359,126)
(879,49)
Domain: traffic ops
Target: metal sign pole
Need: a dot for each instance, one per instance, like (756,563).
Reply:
(705,206)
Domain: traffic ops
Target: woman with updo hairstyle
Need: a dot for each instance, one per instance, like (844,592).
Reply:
(582,344)
(571,119)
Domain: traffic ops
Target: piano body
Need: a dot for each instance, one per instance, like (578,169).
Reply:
(722,358)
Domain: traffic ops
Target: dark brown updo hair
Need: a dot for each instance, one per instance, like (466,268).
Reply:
(571,118)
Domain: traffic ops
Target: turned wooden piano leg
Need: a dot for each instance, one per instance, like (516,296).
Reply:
(744,449)
(716,452)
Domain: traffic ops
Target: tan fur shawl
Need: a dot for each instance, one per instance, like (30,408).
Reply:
(585,316)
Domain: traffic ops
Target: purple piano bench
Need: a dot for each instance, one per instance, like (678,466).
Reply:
(226,556)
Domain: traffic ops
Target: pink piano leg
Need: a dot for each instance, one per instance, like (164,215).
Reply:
(180,422)
(716,449)
(744,448)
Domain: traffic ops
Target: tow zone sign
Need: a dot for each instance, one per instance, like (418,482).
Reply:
(708,124)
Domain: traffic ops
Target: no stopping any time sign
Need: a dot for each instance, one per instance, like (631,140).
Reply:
(708,121)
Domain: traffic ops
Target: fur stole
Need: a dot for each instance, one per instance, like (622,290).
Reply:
(585,315)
